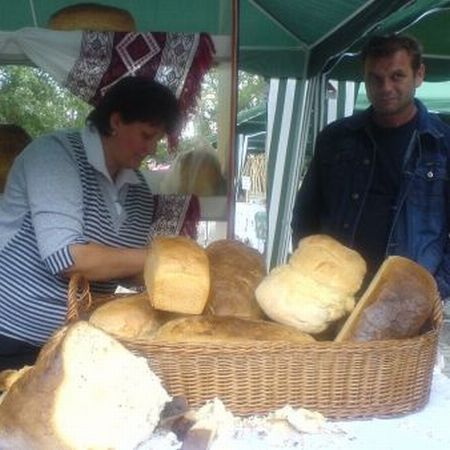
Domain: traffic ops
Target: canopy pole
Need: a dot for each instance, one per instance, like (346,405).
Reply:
(33,13)
(231,186)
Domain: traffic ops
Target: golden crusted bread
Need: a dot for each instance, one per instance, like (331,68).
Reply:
(177,275)
(227,329)
(195,172)
(10,376)
(83,392)
(236,271)
(396,304)
(128,317)
(329,263)
(316,288)
(90,16)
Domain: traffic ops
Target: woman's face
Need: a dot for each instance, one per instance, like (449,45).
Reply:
(132,142)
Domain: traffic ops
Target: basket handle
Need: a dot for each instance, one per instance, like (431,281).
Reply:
(78,297)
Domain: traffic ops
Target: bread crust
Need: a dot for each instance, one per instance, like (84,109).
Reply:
(176,275)
(396,304)
(128,317)
(236,271)
(89,16)
(227,329)
(316,288)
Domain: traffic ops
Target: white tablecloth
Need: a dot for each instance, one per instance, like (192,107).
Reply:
(428,429)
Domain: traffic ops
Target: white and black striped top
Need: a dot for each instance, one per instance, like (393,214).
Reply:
(59,193)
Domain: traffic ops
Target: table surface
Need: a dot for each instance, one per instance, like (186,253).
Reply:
(426,429)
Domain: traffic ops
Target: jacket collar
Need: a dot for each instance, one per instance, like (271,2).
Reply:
(425,125)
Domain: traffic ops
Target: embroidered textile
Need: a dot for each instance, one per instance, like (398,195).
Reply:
(177,60)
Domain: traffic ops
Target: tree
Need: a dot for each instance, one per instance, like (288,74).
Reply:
(32,99)
(252,91)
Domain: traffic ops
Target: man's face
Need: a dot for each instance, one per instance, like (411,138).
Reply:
(391,83)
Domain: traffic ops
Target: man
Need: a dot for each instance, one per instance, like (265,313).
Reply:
(378,179)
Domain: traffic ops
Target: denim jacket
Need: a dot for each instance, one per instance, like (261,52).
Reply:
(333,192)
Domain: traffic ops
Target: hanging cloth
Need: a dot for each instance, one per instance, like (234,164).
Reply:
(177,60)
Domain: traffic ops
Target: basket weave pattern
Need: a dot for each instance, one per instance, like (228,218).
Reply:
(341,380)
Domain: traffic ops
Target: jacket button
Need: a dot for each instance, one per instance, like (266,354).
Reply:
(346,225)
(355,196)
(366,161)
(430,174)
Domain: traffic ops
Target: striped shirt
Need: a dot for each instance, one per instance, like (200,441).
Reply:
(59,193)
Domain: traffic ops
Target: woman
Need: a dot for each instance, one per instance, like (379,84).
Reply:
(75,202)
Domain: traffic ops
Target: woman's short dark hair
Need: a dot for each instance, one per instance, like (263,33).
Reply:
(137,99)
(381,46)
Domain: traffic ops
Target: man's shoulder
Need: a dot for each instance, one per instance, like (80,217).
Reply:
(440,124)
(345,125)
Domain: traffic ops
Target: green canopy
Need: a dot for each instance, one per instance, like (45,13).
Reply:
(278,38)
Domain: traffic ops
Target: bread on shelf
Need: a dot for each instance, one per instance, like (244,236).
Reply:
(92,16)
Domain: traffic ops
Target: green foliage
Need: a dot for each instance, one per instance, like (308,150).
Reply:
(203,127)
(252,91)
(34,100)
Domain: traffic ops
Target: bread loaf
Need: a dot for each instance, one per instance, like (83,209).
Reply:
(236,270)
(195,172)
(316,287)
(128,317)
(92,16)
(10,376)
(227,329)
(86,391)
(396,305)
(176,275)
(329,263)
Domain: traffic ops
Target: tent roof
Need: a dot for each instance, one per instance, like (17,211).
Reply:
(277,38)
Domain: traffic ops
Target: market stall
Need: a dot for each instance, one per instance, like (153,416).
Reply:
(350,384)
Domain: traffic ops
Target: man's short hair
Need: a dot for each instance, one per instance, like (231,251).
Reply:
(382,46)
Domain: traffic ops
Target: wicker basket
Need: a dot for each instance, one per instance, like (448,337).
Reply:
(341,380)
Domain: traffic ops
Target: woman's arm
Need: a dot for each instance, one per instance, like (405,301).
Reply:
(99,262)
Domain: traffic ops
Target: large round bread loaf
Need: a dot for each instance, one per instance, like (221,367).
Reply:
(90,16)
(195,172)
(316,288)
(227,329)
(236,271)
(329,263)
(86,391)
(176,275)
(128,317)
(396,305)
